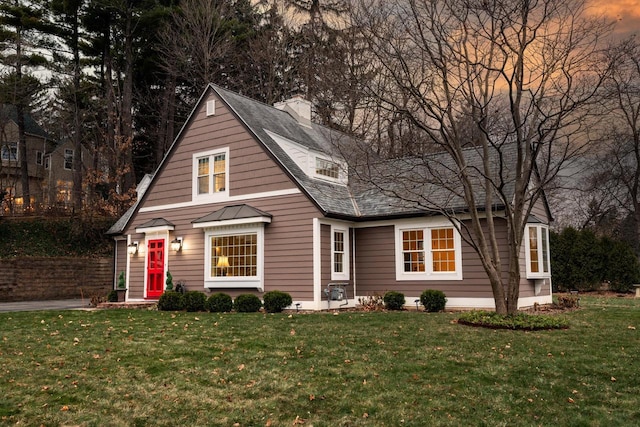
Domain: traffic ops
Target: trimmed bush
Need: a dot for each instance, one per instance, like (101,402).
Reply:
(194,301)
(394,300)
(276,301)
(170,301)
(112,296)
(220,303)
(247,303)
(433,300)
(519,321)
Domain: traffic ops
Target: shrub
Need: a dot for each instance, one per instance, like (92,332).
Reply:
(112,296)
(219,303)
(122,283)
(276,301)
(169,281)
(170,301)
(433,300)
(247,303)
(194,301)
(521,321)
(568,301)
(371,302)
(394,300)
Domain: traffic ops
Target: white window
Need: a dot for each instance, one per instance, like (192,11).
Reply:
(428,251)
(10,151)
(339,254)
(234,257)
(68,159)
(211,175)
(327,168)
(537,251)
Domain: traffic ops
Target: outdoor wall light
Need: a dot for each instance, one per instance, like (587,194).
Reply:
(176,244)
(132,248)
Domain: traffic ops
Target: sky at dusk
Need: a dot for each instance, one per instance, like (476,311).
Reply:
(625,12)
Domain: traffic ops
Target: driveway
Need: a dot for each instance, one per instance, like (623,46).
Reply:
(70,304)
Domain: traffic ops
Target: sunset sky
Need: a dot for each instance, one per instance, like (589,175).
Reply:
(626,12)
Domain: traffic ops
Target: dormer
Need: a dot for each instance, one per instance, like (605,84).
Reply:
(315,164)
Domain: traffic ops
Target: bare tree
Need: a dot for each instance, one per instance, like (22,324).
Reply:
(509,83)
(615,181)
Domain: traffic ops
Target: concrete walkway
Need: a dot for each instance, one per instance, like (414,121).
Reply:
(70,304)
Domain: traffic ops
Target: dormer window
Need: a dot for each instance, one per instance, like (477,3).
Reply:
(327,168)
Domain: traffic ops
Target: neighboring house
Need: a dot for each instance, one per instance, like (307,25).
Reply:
(50,166)
(249,199)
(58,180)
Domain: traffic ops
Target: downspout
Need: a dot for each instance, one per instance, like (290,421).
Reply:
(353,269)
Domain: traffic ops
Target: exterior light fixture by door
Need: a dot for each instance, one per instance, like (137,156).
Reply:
(176,244)
(132,248)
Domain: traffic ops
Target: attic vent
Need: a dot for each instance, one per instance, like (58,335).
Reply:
(211,107)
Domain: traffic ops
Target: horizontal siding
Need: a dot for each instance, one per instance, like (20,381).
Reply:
(376,271)
(251,170)
(288,247)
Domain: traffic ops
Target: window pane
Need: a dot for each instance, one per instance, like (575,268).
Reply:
(443,248)
(545,250)
(203,175)
(234,255)
(533,249)
(413,248)
(338,252)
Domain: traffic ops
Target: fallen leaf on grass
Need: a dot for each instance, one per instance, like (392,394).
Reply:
(298,420)
(613,379)
(570,400)
(293,332)
(312,397)
(241,367)
(268,423)
(64,408)
(633,328)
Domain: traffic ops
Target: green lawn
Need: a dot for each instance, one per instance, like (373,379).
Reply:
(141,368)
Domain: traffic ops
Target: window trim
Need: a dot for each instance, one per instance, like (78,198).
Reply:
(39,158)
(345,273)
(428,274)
(541,253)
(210,196)
(230,281)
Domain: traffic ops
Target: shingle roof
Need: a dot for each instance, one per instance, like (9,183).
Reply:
(31,127)
(412,179)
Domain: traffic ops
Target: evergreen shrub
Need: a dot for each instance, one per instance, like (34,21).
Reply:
(433,300)
(276,301)
(170,301)
(194,301)
(247,303)
(394,300)
(220,303)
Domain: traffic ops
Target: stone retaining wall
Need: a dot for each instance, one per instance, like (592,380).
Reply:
(42,278)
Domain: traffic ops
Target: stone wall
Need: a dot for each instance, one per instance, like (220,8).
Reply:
(40,278)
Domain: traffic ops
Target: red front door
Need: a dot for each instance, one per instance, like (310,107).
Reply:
(155,268)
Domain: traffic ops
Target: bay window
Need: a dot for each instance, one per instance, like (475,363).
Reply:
(537,251)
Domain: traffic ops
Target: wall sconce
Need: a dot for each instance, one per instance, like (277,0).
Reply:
(132,248)
(176,244)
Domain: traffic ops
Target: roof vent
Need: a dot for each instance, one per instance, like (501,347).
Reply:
(298,107)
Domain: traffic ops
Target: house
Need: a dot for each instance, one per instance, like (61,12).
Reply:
(38,143)
(50,165)
(252,198)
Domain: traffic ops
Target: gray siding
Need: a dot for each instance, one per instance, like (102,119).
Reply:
(288,247)
(251,170)
(376,270)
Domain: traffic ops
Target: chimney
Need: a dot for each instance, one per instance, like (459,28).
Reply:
(298,107)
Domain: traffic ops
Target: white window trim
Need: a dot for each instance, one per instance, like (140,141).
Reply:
(344,275)
(210,197)
(234,282)
(428,274)
(527,251)
(342,169)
